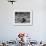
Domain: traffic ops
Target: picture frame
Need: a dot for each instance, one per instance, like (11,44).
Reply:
(23,17)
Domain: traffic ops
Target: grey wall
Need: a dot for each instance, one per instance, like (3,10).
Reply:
(9,31)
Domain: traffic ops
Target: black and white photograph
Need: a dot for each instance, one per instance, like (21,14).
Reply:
(23,18)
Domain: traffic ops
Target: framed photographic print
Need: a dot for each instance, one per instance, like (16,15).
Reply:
(23,17)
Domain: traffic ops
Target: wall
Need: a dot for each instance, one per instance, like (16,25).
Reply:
(9,31)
